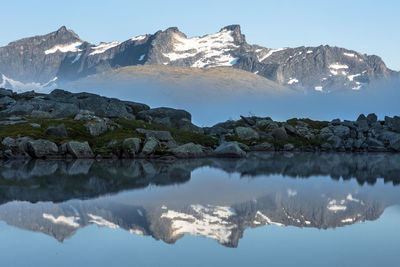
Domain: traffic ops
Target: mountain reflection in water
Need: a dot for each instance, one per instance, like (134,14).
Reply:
(214,198)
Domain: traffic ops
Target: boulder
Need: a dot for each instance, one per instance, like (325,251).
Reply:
(305,132)
(150,145)
(374,144)
(341,131)
(79,149)
(131,146)
(159,135)
(35,125)
(325,133)
(288,147)
(229,149)
(246,133)
(326,146)
(6,92)
(9,142)
(396,124)
(270,125)
(96,128)
(176,118)
(290,129)
(5,101)
(265,146)
(215,130)
(263,122)
(335,141)
(371,118)
(41,148)
(335,122)
(188,151)
(279,133)
(57,131)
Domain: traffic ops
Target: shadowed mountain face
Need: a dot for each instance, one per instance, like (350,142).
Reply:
(214,198)
(43,61)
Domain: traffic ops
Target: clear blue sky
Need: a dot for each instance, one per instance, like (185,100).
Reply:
(368,26)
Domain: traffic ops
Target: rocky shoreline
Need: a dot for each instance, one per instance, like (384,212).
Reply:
(82,125)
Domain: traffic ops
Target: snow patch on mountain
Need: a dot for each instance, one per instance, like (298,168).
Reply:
(64,48)
(103,47)
(213,48)
(100,221)
(69,221)
(349,54)
(270,52)
(208,221)
(138,38)
(292,81)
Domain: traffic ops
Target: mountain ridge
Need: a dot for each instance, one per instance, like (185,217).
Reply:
(63,56)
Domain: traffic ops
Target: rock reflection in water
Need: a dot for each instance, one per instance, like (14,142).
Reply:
(255,196)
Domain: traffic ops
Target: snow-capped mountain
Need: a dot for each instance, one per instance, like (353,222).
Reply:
(43,61)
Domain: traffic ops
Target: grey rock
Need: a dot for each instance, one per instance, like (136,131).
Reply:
(263,122)
(395,144)
(358,143)
(96,128)
(374,144)
(215,130)
(159,135)
(396,124)
(341,131)
(246,133)
(349,144)
(79,149)
(290,129)
(335,141)
(265,146)
(167,116)
(325,133)
(188,150)
(229,149)
(41,148)
(279,134)
(371,118)
(335,122)
(5,101)
(362,125)
(304,132)
(10,142)
(288,147)
(131,146)
(5,92)
(150,145)
(35,125)
(270,125)
(57,131)
(326,146)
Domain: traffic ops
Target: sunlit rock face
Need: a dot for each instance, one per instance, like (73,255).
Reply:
(45,61)
(213,198)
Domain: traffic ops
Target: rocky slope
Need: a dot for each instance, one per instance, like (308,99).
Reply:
(83,125)
(61,56)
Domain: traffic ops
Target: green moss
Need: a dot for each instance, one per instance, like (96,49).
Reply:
(314,124)
(76,131)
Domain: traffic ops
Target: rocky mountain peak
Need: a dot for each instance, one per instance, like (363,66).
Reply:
(236,33)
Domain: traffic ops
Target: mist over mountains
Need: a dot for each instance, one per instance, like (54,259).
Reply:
(215,77)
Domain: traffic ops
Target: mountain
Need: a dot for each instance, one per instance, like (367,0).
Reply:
(61,56)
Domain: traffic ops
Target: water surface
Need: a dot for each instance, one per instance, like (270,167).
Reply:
(277,209)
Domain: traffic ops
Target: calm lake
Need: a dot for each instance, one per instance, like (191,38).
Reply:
(270,209)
